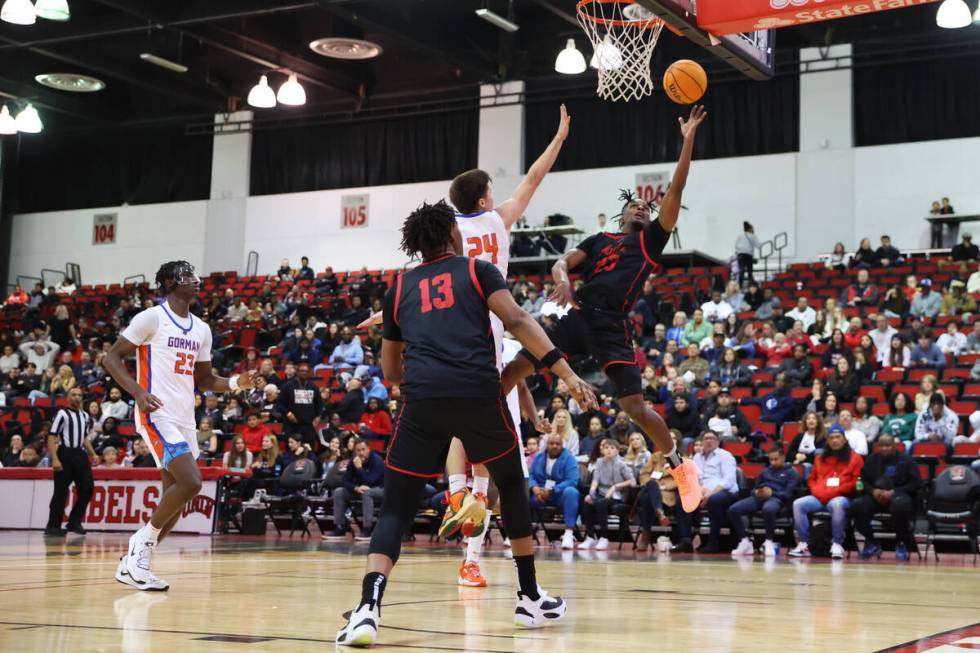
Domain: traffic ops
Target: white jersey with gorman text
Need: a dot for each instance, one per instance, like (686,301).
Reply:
(168,348)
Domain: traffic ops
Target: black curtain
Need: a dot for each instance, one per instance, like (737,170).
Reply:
(906,101)
(107,167)
(372,153)
(745,118)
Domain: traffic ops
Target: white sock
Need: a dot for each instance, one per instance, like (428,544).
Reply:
(568,531)
(474,545)
(481,484)
(457,482)
(150,532)
(673,458)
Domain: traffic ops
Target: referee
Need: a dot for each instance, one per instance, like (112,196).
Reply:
(70,451)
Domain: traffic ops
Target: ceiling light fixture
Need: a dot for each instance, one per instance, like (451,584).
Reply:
(606,56)
(163,63)
(7,123)
(262,96)
(291,92)
(18,12)
(570,61)
(71,82)
(953,14)
(345,48)
(53,10)
(976,15)
(498,20)
(28,121)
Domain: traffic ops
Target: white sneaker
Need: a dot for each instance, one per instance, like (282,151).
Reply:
(769,548)
(568,541)
(587,543)
(138,566)
(801,551)
(362,627)
(836,551)
(602,544)
(534,614)
(744,548)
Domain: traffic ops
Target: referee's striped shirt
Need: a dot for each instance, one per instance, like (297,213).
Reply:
(72,426)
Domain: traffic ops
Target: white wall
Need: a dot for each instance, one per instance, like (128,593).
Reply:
(147,235)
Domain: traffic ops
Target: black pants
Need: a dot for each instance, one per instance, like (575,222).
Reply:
(717,509)
(75,468)
(864,508)
(595,516)
(745,262)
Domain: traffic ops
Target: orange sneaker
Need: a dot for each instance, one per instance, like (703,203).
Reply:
(688,486)
(465,512)
(470,576)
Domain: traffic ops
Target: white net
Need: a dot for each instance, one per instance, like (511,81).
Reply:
(623,35)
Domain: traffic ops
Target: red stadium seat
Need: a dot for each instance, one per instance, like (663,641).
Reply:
(751,412)
(929,450)
(971,390)
(951,373)
(875,392)
(790,431)
(738,449)
(751,470)
(921,372)
(764,427)
(967,450)
(962,407)
(891,375)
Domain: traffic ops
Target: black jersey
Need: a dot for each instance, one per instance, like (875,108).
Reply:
(617,265)
(439,310)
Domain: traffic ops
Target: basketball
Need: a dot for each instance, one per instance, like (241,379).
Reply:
(685,81)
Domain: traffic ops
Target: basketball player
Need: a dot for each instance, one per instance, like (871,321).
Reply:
(615,266)
(174,356)
(437,318)
(485,231)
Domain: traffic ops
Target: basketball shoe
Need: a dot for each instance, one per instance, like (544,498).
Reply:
(362,626)
(688,485)
(534,614)
(137,565)
(470,575)
(466,512)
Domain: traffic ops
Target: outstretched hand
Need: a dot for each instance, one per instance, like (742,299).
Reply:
(690,126)
(374,320)
(563,124)
(563,295)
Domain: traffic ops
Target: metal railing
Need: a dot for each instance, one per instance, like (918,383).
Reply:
(74,271)
(140,277)
(44,279)
(252,266)
(20,281)
(770,248)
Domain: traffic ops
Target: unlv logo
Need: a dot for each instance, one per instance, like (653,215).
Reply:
(200,504)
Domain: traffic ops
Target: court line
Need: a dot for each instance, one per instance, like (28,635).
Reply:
(271,637)
(926,638)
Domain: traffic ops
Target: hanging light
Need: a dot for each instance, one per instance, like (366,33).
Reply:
(7,123)
(52,10)
(953,14)
(976,15)
(570,61)
(607,56)
(262,96)
(291,92)
(18,12)
(28,121)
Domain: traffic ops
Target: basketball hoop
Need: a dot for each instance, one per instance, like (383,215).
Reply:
(623,35)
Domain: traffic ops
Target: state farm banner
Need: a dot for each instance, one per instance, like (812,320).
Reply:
(116,505)
(733,16)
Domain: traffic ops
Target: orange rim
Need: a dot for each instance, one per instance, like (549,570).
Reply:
(613,22)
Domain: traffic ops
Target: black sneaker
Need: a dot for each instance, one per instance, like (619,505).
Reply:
(684,547)
(55,532)
(77,529)
(709,548)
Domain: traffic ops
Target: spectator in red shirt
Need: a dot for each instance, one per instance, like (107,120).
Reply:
(832,484)
(855,331)
(253,433)
(18,296)
(777,352)
(376,421)
(862,292)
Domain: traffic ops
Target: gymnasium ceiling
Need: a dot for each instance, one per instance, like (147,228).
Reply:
(429,45)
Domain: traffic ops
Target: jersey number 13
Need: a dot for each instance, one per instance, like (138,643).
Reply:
(437,293)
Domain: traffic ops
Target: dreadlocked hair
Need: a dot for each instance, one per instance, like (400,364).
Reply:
(627,197)
(427,230)
(166,273)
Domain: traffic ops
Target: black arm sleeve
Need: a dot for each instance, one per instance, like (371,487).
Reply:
(489,278)
(655,238)
(391,330)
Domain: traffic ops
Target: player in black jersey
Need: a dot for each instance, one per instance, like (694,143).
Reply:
(615,267)
(439,347)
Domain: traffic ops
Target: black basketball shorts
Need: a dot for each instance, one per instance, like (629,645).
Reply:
(425,427)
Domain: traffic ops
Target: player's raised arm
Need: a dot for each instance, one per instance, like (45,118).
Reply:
(671,205)
(530,334)
(511,210)
(562,294)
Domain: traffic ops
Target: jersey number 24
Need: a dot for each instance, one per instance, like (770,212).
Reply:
(487,244)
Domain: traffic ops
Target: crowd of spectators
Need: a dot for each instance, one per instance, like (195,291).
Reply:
(733,369)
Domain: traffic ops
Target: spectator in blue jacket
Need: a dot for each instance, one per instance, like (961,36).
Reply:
(348,354)
(778,406)
(373,387)
(364,478)
(773,490)
(554,482)
(926,354)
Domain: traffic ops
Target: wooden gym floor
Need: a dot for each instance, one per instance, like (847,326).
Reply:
(241,594)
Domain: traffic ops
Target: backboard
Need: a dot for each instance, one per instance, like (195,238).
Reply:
(753,53)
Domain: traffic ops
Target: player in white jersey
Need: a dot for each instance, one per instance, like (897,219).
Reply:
(173,356)
(485,231)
